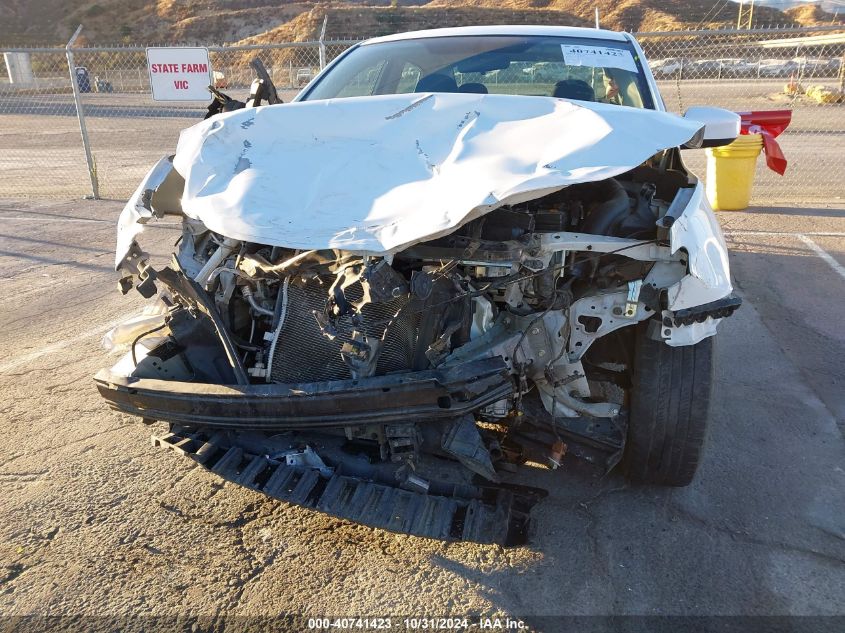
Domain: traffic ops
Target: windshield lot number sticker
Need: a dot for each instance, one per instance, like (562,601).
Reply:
(598,57)
(179,74)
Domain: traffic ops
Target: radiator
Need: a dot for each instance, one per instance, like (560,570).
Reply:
(303,354)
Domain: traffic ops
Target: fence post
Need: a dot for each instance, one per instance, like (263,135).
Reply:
(92,171)
(323,42)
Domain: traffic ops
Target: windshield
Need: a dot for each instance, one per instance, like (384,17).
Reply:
(583,69)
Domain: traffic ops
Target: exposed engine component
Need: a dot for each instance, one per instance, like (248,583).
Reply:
(376,339)
(493,287)
(384,326)
(475,346)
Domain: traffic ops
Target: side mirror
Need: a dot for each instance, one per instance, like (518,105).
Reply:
(720,126)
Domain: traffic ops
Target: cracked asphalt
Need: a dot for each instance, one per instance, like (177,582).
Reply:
(94,521)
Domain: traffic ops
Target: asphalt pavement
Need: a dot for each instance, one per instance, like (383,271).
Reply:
(96,522)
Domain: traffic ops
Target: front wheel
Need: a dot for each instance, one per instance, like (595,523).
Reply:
(670,405)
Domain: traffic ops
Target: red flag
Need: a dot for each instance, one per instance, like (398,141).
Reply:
(769,124)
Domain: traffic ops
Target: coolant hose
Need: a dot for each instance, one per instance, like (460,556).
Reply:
(223,251)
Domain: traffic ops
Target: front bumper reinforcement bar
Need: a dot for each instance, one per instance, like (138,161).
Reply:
(412,396)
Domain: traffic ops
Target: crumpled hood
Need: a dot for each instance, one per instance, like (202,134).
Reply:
(378,174)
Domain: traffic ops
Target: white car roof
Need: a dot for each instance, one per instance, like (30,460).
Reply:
(506,29)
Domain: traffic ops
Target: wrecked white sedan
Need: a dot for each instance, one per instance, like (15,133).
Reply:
(456,253)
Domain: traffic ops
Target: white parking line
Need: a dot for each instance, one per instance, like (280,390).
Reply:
(108,221)
(52,348)
(783,233)
(818,250)
(838,268)
(31,219)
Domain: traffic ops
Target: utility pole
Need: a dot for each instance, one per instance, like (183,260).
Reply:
(745,15)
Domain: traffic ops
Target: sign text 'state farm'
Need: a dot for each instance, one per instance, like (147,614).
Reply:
(179,74)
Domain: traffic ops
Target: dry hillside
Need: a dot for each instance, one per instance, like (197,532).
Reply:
(810,14)
(189,21)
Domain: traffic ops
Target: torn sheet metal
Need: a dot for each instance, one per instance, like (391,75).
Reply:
(158,195)
(379,174)
(138,209)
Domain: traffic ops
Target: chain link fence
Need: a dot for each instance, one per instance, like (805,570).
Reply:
(41,154)
(797,69)
(40,149)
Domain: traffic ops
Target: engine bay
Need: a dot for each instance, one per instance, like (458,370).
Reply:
(495,287)
(448,363)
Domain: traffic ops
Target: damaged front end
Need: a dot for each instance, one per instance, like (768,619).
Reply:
(403,388)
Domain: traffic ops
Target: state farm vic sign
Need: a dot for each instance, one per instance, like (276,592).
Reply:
(179,74)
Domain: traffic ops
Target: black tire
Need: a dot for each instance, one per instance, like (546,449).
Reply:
(670,406)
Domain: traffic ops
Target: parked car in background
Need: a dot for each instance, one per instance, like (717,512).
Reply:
(219,80)
(303,76)
(776,67)
(734,67)
(669,66)
(816,67)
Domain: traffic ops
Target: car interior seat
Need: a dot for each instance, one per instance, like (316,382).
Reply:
(436,83)
(473,87)
(574,89)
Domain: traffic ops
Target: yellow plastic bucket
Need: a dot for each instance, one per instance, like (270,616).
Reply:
(730,172)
